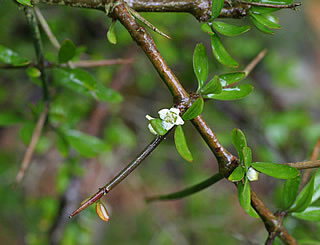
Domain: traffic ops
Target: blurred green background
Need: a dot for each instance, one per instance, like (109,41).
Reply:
(280,119)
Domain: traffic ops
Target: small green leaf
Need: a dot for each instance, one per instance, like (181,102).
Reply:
(261,27)
(230,78)
(275,170)
(247,157)
(316,189)
(216,7)
(86,145)
(25,2)
(264,20)
(7,56)
(67,51)
(157,126)
(290,191)
(194,110)
(212,87)
(10,118)
(237,174)
(200,64)
(181,144)
(310,213)
(244,195)
(62,145)
(239,141)
(228,29)
(304,198)
(220,52)
(233,93)
(33,72)
(107,94)
(262,10)
(206,28)
(111,35)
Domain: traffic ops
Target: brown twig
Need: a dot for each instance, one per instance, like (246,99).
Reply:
(99,63)
(34,140)
(304,165)
(270,5)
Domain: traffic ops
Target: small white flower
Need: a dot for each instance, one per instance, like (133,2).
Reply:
(252,174)
(170,118)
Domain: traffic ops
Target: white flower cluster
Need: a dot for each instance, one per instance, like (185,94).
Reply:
(169,117)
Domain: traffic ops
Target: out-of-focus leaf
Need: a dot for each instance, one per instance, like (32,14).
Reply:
(33,72)
(230,78)
(181,144)
(239,141)
(261,27)
(310,213)
(247,157)
(207,29)
(221,53)
(26,132)
(212,87)
(111,34)
(229,29)
(86,145)
(8,56)
(107,94)
(216,7)
(233,93)
(9,118)
(304,198)
(67,51)
(62,145)
(194,110)
(25,2)
(237,174)
(157,126)
(200,64)
(290,191)
(265,20)
(275,170)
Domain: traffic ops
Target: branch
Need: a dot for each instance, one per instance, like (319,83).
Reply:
(304,165)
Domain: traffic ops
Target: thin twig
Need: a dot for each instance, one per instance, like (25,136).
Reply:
(314,156)
(34,140)
(304,165)
(270,5)
(99,63)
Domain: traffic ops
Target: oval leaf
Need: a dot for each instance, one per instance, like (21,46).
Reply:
(111,35)
(200,64)
(206,28)
(261,27)
(107,94)
(304,198)
(157,126)
(316,189)
(212,87)
(247,157)
(25,2)
(194,110)
(239,141)
(290,191)
(230,78)
(7,56)
(221,53)
(181,144)
(216,7)
(275,170)
(233,93)
(102,211)
(228,29)
(237,174)
(9,118)
(310,213)
(33,72)
(264,20)
(244,195)
(67,51)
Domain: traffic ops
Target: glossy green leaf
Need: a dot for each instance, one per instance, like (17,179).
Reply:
(239,141)
(107,94)
(207,29)
(262,10)
(247,157)
(7,56)
(229,29)
(67,51)
(261,27)
(33,72)
(157,126)
(76,79)
(304,198)
(200,64)
(111,34)
(237,174)
(216,8)
(310,213)
(221,53)
(290,191)
(181,144)
(316,189)
(275,170)
(188,191)
(264,20)
(9,118)
(194,110)
(25,2)
(244,195)
(233,93)
(86,145)
(212,87)
(231,78)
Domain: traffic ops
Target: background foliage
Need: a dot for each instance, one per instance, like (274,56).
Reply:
(280,119)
